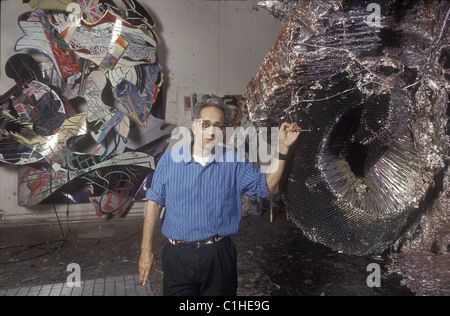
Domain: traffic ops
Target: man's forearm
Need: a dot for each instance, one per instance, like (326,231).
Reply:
(147,261)
(151,219)
(275,171)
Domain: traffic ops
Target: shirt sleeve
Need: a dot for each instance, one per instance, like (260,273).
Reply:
(157,191)
(253,181)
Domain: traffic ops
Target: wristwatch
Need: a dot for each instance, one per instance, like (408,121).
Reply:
(282,157)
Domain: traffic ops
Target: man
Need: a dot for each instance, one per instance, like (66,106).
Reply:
(202,196)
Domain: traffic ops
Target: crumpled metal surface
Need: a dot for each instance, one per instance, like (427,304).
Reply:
(424,253)
(376,99)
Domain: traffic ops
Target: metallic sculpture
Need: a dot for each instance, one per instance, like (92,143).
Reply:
(374,90)
(371,79)
(87,118)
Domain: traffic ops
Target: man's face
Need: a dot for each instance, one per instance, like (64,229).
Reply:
(209,128)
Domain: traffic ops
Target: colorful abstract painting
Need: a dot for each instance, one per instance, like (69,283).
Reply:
(84,122)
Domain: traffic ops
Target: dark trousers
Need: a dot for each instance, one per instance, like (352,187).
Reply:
(210,270)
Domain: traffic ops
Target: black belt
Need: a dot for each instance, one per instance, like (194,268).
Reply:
(195,244)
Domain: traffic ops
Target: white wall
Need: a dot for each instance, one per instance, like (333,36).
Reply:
(206,46)
(210,47)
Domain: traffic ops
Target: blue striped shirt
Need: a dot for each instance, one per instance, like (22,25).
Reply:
(202,202)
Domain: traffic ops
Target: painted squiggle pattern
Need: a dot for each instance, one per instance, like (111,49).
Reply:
(74,111)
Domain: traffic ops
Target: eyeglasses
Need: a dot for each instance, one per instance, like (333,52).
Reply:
(207,124)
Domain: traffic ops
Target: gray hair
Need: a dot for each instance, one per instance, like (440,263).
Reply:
(214,101)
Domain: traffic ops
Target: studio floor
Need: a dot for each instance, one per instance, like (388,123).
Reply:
(274,259)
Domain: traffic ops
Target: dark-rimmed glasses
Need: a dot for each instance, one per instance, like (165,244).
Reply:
(207,124)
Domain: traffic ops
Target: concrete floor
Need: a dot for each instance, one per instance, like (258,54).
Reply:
(274,259)
(117,286)
(41,256)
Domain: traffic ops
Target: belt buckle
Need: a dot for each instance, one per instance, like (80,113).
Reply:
(194,244)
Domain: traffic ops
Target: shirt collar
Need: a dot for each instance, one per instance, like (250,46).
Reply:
(186,153)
